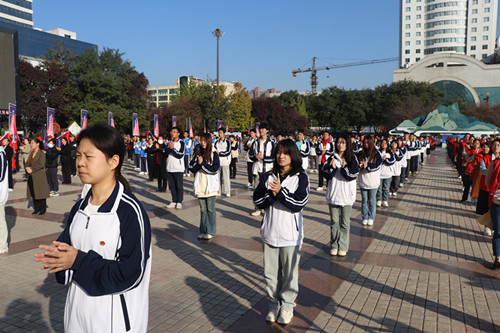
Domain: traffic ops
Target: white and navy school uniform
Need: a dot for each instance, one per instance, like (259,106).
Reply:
(313,157)
(175,169)
(266,149)
(396,171)
(188,142)
(385,175)
(223,147)
(369,181)
(305,150)
(109,279)
(247,147)
(329,149)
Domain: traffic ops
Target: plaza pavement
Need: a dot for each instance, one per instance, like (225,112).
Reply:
(423,266)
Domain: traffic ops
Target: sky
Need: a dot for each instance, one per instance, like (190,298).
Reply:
(263,41)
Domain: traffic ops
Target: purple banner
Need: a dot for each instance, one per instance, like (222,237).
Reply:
(50,122)
(45,139)
(257,124)
(84,114)
(135,125)
(174,121)
(219,124)
(156,128)
(111,121)
(190,128)
(12,122)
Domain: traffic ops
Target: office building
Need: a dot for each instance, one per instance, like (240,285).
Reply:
(443,26)
(18,12)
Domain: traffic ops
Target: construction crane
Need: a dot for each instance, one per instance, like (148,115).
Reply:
(313,69)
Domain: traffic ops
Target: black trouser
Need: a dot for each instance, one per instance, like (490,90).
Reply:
(414,164)
(11,181)
(467,180)
(313,162)
(186,164)
(249,172)
(73,166)
(52,179)
(394,184)
(407,172)
(421,158)
(320,175)
(175,184)
(66,171)
(232,167)
(39,205)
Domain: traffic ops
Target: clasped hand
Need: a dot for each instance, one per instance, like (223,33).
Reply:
(58,258)
(275,186)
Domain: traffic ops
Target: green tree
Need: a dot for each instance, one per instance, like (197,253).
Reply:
(293,98)
(239,112)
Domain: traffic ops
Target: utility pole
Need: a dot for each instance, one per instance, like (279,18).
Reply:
(218,33)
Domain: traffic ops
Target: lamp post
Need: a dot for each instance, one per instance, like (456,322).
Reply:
(218,33)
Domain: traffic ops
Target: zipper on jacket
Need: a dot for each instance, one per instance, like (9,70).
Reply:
(125,313)
(88,220)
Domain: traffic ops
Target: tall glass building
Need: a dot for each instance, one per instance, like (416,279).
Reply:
(444,26)
(18,12)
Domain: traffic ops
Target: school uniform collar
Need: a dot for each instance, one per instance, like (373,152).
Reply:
(110,205)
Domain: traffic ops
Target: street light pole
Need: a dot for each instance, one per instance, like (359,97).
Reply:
(218,33)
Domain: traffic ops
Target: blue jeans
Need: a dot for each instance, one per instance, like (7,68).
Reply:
(403,175)
(208,220)
(495,218)
(368,203)
(383,189)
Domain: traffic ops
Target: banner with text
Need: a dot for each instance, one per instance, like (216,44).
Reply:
(111,121)
(135,125)
(84,115)
(50,122)
(156,129)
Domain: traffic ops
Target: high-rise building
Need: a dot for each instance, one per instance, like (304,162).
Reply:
(436,26)
(18,12)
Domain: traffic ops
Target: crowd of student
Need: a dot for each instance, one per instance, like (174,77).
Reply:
(477,161)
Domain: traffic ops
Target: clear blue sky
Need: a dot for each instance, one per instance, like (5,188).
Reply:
(263,42)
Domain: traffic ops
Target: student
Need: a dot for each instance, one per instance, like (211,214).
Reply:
(282,192)
(66,160)
(262,155)
(247,148)
(137,153)
(174,152)
(325,149)
(370,161)
(187,155)
(235,146)
(388,159)
(304,148)
(4,196)
(223,148)
(151,152)
(144,156)
(492,181)
(104,252)
(205,165)
(160,165)
(482,200)
(51,163)
(469,153)
(341,169)
(404,162)
(313,157)
(396,167)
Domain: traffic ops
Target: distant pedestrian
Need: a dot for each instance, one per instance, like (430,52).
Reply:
(370,161)
(205,165)
(247,147)
(282,192)
(188,151)
(104,252)
(174,152)
(223,147)
(4,196)
(51,163)
(262,154)
(38,188)
(66,160)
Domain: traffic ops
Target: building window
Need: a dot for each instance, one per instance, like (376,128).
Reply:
(407,51)
(407,26)
(486,28)
(418,34)
(408,18)
(419,17)
(419,7)
(417,51)
(475,2)
(473,56)
(408,9)
(408,1)
(407,60)
(487,10)
(418,42)
(485,47)
(485,37)
(474,20)
(417,59)
(407,34)
(474,11)
(407,43)
(419,25)
(487,1)
(486,19)
(473,47)
(473,29)
(473,38)
(484,55)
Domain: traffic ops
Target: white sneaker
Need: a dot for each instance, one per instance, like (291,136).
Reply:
(178,206)
(394,194)
(379,203)
(272,315)
(342,253)
(390,194)
(285,317)
(4,252)
(487,231)
(200,236)
(171,205)
(255,213)
(208,236)
(365,222)
(228,195)
(401,185)
(248,185)
(370,222)
(334,252)
(11,189)
(319,189)
(385,204)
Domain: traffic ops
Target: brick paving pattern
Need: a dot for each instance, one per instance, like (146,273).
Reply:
(423,266)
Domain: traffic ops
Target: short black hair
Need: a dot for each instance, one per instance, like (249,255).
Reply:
(253,130)
(264,125)
(221,129)
(176,128)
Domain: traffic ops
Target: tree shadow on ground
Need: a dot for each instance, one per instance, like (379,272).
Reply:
(24,316)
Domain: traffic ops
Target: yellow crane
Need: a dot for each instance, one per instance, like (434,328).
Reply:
(313,69)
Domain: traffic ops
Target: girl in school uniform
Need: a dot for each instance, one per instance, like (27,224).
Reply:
(388,159)
(370,161)
(341,169)
(396,167)
(282,192)
(404,161)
